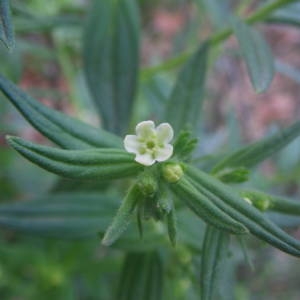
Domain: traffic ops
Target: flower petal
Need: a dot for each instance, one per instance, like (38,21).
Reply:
(145,159)
(164,153)
(145,129)
(164,133)
(131,144)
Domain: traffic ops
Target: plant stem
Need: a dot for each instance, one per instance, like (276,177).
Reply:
(215,39)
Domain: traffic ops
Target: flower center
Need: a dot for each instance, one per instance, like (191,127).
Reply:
(150,144)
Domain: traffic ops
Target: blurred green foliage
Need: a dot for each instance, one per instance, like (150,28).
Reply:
(48,43)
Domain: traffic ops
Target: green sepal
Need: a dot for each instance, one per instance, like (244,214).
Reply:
(265,201)
(104,164)
(204,208)
(252,154)
(123,217)
(232,204)
(214,254)
(63,130)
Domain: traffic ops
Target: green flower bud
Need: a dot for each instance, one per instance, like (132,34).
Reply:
(172,172)
(148,185)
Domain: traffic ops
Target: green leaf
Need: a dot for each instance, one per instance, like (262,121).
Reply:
(190,227)
(153,238)
(123,217)
(232,204)
(73,185)
(184,106)
(141,277)
(289,14)
(101,164)
(6,28)
(156,92)
(29,21)
(74,216)
(251,155)
(172,226)
(284,221)
(60,216)
(257,54)
(244,250)
(215,252)
(204,208)
(63,130)
(218,11)
(111,56)
(290,71)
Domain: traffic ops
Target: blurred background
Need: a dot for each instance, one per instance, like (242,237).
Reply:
(47,64)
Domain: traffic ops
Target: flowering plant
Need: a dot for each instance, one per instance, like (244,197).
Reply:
(156,172)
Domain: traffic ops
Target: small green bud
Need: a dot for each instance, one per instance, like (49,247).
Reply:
(262,204)
(230,175)
(258,200)
(248,200)
(148,185)
(172,172)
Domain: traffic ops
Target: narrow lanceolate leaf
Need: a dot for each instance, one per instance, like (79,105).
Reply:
(257,54)
(184,105)
(255,153)
(214,254)
(204,208)
(6,27)
(111,55)
(63,130)
(172,226)
(141,277)
(104,164)
(74,216)
(289,14)
(65,215)
(265,201)
(123,217)
(218,11)
(236,207)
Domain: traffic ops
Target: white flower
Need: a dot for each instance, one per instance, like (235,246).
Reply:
(150,144)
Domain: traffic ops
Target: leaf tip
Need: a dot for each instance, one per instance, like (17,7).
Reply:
(13,141)
(106,241)
(10,139)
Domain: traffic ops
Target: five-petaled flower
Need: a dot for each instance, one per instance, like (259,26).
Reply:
(150,144)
